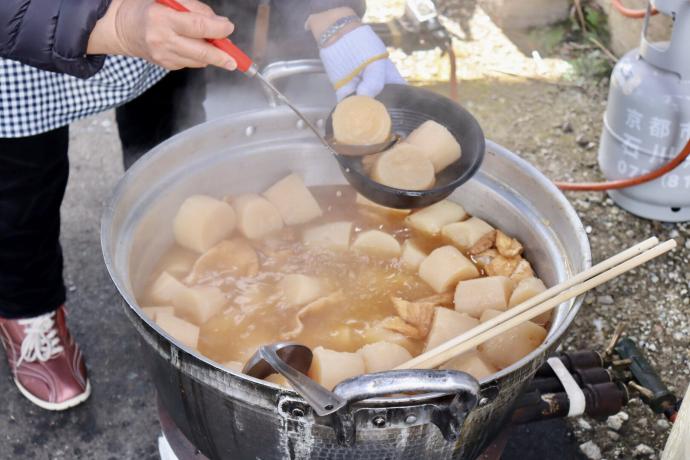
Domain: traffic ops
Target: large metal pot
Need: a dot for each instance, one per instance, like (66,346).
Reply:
(228,415)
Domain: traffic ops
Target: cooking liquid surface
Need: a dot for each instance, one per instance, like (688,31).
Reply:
(360,285)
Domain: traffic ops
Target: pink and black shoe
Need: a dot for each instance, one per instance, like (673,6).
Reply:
(47,364)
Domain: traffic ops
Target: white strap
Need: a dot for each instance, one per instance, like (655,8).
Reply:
(572,389)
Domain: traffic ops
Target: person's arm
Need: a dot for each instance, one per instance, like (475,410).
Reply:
(319,6)
(73,36)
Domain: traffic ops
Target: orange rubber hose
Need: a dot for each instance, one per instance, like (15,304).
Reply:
(625,183)
(630,13)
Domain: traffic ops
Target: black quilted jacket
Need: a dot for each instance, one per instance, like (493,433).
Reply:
(53,34)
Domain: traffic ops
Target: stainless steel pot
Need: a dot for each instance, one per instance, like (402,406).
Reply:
(229,415)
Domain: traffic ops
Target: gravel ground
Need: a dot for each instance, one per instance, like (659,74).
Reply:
(552,122)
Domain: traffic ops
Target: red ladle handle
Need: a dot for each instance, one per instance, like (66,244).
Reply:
(244,62)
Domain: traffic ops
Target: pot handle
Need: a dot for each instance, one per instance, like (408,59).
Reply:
(284,69)
(448,417)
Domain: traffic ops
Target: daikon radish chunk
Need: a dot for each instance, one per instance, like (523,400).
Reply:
(377,243)
(383,356)
(298,290)
(178,261)
(233,366)
(475,296)
(502,266)
(164,290)
(361,120)
(199,303)
(278,380)
(404,167)
(437,143)
(256,216)
(412,256)
(230,257)
(446,325)
(525,290)
(507,246)
(182,331)
(444,267)
(153,312)
(329,367)
(293,200)
(522,270)
(335,235)
(202,221)
(513,345)
(472,363)
(432,219)
(472,236)
(365,202)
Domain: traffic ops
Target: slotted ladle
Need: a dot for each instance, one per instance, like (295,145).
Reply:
(409,107)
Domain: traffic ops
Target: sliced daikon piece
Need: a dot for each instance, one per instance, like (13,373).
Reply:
(278,380)
(412,255)
(507,246)
(419,314)
(182,331)
(256,216)
(522,270)
(432,219)
(446,325)
(502,266)
(368,204)
(153,312)
(444,267)
(475,296)
(472,236)
(199,303)
(298,290)
(329,367)
(525,290)
(513,345)
(202,221)
(178,261)
(404,167)
(164,290)
(361,120)
(294,201)
(335,235)
(230,257)
(383,356)
(437,143)
(472,363)
(233,366)
(377,243)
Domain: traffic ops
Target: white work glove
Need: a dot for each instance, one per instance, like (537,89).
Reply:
(358,63)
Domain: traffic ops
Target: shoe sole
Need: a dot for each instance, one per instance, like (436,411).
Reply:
(56,406)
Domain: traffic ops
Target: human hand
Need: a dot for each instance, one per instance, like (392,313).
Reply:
(171,39)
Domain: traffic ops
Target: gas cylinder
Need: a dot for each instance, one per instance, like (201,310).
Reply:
(647,120)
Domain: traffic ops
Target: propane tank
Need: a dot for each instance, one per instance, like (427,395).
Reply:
(647,120)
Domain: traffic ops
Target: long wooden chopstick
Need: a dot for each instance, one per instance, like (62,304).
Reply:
(551,298)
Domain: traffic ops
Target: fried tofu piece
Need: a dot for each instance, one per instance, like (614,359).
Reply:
(522,270)
(484,258)
(502,266)
(233,257)
(507,246)
(418,314)
(317,305)
(396,324)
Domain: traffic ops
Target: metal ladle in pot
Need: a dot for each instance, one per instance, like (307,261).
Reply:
(409,107)
(292,361)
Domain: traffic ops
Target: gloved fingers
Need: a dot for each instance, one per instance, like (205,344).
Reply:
(373,79)
(393,75)
(348,89)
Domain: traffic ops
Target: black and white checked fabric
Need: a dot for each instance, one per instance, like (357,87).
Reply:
(33,101)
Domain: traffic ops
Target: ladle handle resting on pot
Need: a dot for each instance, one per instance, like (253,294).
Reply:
(244,62)
(319,398)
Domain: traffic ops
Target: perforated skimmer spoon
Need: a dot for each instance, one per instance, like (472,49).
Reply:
(409,107)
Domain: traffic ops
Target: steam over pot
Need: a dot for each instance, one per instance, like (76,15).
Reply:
(228,415)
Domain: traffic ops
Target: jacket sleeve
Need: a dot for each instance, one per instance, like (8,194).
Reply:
(318,6)
(51,35)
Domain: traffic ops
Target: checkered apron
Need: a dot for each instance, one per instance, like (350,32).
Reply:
(33,101)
